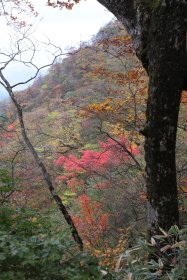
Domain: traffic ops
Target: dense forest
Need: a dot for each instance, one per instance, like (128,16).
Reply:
(84,118)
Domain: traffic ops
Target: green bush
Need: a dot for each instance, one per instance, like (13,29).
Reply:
(33,248)
(30,249)
(43,257)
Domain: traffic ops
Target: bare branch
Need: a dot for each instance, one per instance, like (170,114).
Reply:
(39,162)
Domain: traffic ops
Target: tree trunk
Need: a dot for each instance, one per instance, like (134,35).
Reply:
(158,30)
(167,55)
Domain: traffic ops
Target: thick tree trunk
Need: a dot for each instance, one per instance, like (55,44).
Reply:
(167,55)
(158,30)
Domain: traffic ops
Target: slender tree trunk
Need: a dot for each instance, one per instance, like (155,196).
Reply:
(41,165)
(45,174)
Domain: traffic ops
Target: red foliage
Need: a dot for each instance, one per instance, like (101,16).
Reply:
(70,163)
(111,154)
(8,133)
(74,183)
(10,127)
(91,222)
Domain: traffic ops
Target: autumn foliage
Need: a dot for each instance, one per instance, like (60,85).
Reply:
(83,118)
(91,222)
(94,165)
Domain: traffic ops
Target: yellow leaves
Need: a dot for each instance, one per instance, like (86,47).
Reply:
(109,105)
(108,108)
(54,142)
(112,254)
(109,255)
(34,219)
(52,116)
(183,189)
(133,146)
(104,106)
(117,129)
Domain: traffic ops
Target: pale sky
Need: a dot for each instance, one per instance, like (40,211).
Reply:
(64,28)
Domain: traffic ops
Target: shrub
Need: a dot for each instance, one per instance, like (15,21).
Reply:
(168,261)
(31,250)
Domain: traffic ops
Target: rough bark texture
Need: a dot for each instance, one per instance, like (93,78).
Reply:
(167,55)
(158,29)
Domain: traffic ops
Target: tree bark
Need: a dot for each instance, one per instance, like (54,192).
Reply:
(167,55)
(45,174)
(160,43)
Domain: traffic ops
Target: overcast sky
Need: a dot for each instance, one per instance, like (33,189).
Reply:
(64,28)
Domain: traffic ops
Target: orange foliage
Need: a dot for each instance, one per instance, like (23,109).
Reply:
(91,222)
(184,97)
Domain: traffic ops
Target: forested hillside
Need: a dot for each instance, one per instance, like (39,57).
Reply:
(84,118)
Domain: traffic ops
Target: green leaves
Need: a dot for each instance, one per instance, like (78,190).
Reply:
(7,182)
(44,257)
(31,249)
